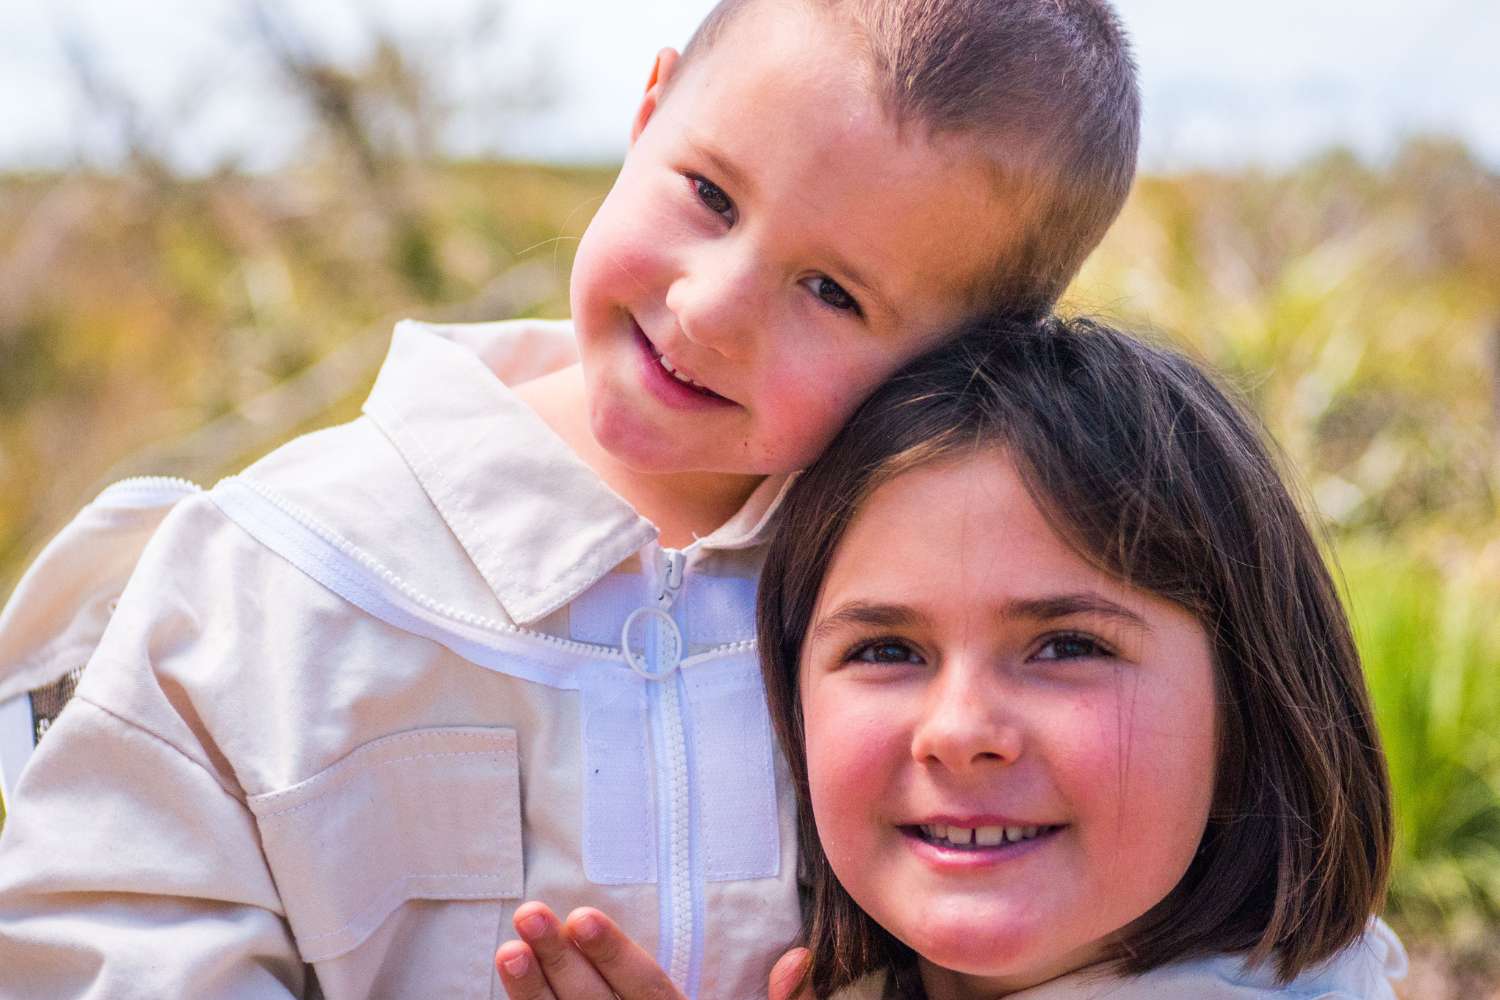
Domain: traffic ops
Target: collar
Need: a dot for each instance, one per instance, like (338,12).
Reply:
(537,522)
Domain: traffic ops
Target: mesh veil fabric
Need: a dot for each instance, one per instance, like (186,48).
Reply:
(48,701)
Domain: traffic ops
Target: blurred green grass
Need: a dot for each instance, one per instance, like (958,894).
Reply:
(1356,307)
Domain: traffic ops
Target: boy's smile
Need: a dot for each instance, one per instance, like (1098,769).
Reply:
(772,249)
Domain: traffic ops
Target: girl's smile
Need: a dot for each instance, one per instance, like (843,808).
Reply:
(1010,753)
(964,848)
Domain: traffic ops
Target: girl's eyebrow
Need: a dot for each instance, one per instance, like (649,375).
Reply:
(866,614)
(870,614)
(1067,605)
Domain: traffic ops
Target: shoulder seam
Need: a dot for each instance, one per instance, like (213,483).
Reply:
(179,751)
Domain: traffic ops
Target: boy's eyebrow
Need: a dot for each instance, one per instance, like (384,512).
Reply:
(852,275)
(739,181)
(870,614)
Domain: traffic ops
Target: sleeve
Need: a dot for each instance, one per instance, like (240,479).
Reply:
(127,870)
(130,864)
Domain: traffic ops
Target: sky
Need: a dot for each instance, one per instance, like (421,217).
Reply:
(1224,84)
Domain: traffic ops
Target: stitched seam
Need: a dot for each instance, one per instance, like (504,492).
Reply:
(431,469)
(370,907)
(383,573)
(375,745)
(368,768)
(300,545)
(137,727)
(384,899)
(590,566)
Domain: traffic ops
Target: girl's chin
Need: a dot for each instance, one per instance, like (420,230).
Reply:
(993,963)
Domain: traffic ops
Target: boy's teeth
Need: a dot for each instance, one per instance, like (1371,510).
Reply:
(675,373)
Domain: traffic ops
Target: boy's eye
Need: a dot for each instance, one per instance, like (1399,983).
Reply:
(885,651)
(833,294)
(1071,647)
(712,196)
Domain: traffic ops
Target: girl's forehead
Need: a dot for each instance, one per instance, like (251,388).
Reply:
(965,533)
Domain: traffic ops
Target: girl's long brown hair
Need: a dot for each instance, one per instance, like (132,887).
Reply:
(1153,473)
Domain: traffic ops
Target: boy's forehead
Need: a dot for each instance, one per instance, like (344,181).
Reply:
(787,35)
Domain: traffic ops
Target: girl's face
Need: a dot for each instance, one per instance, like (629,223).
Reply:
(1010,753)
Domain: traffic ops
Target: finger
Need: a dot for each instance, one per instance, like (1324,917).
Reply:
(520,972)
(569,974)
(630,970)
(789,976)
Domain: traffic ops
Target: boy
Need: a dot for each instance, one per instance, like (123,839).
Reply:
(485,644)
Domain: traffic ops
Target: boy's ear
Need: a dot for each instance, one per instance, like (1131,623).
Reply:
(656,87)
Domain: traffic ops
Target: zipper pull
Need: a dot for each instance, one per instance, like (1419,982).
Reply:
(669,566)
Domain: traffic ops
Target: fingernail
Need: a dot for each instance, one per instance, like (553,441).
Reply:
(588,927)
(517,965)
(533,926)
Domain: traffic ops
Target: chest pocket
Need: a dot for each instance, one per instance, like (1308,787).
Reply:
(359,848)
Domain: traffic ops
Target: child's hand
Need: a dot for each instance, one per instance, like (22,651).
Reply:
(590,958)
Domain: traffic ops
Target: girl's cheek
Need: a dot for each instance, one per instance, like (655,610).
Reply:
(853,753)
(1088,748)
(1135,771)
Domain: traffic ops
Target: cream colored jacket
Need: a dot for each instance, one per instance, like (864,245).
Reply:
(1364,971)
(359,702)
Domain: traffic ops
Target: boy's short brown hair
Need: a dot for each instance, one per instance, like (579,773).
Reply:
(1045,88)
(1159,478)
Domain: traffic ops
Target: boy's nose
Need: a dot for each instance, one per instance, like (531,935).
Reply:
(718,304)
(964,724)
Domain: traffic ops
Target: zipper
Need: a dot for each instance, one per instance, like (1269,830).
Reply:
(379,570)
(138,492)
(678,904)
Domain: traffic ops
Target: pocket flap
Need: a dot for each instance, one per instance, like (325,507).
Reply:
(429,814)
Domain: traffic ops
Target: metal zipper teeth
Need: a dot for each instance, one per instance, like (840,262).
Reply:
(411,593)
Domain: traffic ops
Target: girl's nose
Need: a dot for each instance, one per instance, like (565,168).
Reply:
(718,302)
(965,723)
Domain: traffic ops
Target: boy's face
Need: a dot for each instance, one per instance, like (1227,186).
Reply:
(772,238)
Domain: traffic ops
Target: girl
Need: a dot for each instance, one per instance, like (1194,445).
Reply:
(1069,701)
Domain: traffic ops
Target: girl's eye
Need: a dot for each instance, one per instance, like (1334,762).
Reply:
(712,196)
(885,651)
(1071,647)
(833,294)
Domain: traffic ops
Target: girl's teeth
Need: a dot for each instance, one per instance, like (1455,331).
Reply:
(983,836)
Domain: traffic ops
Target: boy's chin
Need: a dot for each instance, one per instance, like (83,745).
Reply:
(639,449)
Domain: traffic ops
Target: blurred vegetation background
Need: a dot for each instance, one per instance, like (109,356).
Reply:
(152,323)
